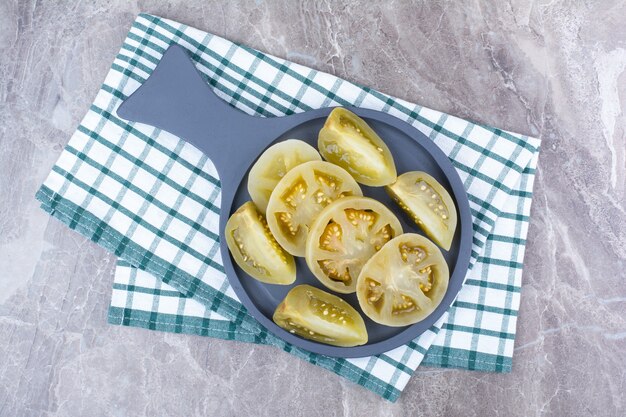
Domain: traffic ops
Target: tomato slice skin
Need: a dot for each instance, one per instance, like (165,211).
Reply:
(300,196)
(428,204)
(255,250)
(316,315)
(344,236)
(348,141)
(404,282)
(273,164)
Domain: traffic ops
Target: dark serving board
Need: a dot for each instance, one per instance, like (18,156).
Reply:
(176,98)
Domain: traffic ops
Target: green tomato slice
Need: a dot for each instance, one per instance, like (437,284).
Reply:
(255,250)
(403,282)
(272,166)
(322,317)
(428,204)
(344,237)
(348,141)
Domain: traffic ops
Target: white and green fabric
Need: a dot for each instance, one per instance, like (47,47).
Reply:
(154,201)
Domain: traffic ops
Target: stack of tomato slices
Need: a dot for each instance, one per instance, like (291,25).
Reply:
(303,205)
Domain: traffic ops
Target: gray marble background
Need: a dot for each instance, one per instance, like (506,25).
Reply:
(552,69)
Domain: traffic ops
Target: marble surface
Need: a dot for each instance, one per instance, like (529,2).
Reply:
(552,69)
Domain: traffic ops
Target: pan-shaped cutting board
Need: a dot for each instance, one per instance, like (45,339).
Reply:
(177,99)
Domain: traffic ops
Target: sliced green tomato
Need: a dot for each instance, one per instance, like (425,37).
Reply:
(344,237)
(346,140)
(300,196)
(255,250)
(403,282)
(428,204)
(317,315)
(273,164)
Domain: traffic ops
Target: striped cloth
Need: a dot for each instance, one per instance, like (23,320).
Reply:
(154,201)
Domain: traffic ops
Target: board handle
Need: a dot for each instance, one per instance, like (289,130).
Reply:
(176,98)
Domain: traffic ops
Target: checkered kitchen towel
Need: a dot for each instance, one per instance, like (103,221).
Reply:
(154,201)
